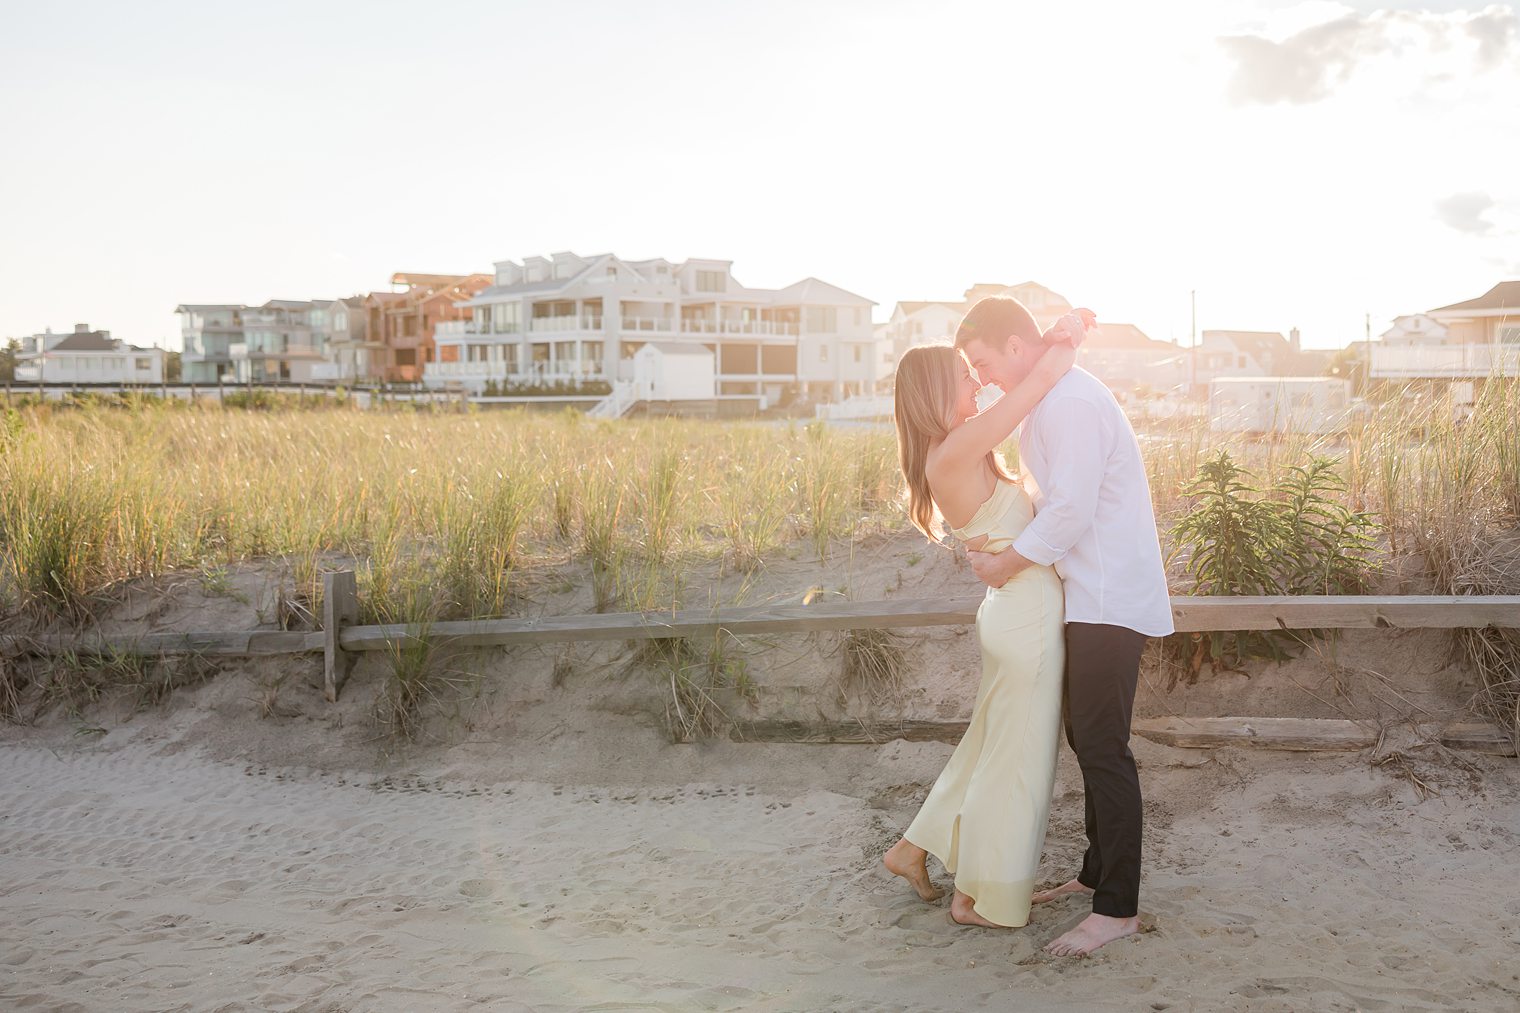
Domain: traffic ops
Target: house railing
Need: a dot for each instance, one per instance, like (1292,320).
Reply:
(1435,361)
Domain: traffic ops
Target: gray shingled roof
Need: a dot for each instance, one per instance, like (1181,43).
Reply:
(1503,296)
(85,341)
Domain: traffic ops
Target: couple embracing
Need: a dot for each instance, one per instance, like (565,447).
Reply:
(1075,586)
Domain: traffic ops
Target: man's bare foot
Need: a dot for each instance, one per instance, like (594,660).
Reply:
(910,862)
(1095,931)
(962,913)
(1057,892)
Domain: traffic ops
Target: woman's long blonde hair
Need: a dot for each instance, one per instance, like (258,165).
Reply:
(923,407)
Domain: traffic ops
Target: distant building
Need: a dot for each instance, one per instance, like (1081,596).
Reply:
(1119,354)
(279,343)
(1466,341)
(208,333)
(1222,353)
(350,354)
(1278,404)
(86,356)
(403,325)
(567,317)
(1415,329)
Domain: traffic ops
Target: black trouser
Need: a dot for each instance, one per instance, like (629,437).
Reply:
(1102,667)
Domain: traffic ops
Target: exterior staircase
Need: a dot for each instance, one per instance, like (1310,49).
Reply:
(616,404)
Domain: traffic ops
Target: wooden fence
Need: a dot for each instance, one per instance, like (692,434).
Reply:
(339,639)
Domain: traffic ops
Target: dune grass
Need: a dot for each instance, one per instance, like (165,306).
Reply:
(443,512)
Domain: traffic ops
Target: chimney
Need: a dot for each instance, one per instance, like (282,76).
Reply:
(1293,339)
(81,328)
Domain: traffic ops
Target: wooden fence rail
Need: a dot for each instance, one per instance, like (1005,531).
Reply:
(339,641)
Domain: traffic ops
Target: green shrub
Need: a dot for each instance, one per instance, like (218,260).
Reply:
(1237,539)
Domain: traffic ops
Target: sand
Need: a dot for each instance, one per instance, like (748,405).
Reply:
(544,846)
(140,877)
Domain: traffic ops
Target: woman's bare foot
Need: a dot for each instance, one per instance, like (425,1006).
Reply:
(911,863)
(1057,892)
(962,913)
(1095,931)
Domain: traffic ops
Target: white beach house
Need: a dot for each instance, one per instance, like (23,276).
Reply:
(566,318)
(86,356)
(1466,341)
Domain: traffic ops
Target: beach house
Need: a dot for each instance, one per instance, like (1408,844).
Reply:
(207,333)
(568,318)
(404,324)
(1466,341)
(86,356)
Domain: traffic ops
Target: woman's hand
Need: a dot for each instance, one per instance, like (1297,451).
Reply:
(1071,329)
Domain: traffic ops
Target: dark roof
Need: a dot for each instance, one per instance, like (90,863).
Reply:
(1503,296)
(85,341)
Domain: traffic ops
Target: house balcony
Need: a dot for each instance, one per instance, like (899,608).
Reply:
(757,328)
(648,325)
(470,329)
(1465,362)
(502,371)
(242,350)
(565,324)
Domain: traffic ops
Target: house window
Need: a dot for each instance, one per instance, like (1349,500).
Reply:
(822,319)
(823,353)
(711,281)
(143,362)
(857,353)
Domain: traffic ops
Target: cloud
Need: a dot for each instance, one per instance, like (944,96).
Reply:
(1307,66)
(1464,212)
(1497,31)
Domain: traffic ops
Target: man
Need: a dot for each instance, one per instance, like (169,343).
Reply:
(1094,522)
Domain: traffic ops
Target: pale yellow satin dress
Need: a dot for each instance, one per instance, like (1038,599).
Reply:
(985,816)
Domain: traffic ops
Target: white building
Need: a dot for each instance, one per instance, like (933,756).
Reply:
(1466,341)
(87,356)
(1244,353)
(1415,329)
(567,318)
(1278,404)
(922,323)
(208,333)
(673,371)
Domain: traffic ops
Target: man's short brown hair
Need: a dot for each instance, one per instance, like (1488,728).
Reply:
(994,320)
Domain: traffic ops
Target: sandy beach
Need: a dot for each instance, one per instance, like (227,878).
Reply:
(142,872)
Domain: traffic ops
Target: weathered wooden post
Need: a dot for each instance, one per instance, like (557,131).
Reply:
(340,604)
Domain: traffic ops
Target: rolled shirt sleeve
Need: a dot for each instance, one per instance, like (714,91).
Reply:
(1071,439)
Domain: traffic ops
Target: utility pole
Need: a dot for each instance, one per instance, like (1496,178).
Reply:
(1193,343)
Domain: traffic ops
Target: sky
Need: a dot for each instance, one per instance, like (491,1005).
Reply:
(1294,164)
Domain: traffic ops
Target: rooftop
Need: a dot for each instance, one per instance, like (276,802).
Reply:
(1503,296)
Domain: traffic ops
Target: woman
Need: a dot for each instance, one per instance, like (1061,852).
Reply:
(985,817)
